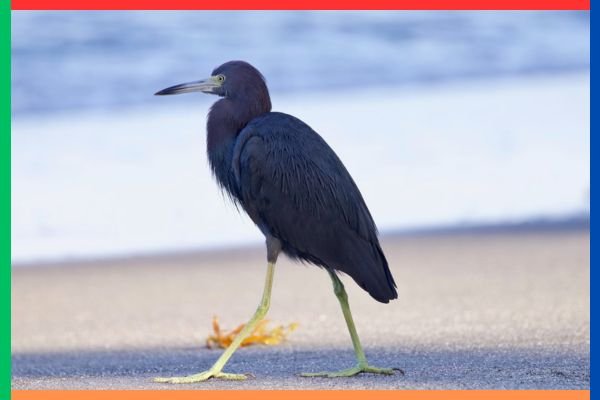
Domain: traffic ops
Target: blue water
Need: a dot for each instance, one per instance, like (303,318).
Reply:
(71,61)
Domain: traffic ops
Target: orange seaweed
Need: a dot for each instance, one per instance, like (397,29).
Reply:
(260,335)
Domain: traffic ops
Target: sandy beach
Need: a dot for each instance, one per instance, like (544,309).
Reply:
(487,310)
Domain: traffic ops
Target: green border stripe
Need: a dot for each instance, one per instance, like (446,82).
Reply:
(5,292)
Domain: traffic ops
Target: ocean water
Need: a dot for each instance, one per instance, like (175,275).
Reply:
(65,61)
(442,118)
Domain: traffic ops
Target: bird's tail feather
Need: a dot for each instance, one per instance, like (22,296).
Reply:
(369,268)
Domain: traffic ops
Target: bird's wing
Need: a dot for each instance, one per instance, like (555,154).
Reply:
(295,188)
(282,162)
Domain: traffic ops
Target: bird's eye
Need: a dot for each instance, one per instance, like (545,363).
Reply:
(221,78)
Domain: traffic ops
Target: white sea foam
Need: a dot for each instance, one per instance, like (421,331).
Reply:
(89,185)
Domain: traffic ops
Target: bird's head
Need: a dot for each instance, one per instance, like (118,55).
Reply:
(234,79)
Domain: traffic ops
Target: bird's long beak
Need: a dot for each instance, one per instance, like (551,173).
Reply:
(205,86)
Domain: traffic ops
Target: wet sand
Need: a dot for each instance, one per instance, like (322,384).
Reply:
(475,310)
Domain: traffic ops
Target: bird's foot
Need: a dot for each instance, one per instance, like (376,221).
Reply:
(353,371)
(203,376)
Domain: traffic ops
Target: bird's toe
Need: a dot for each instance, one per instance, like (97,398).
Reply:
(202,376)
(352,372)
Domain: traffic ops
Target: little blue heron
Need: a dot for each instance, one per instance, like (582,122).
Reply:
(297,191)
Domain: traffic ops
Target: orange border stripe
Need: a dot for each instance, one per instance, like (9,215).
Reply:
(301,5)
(301,394)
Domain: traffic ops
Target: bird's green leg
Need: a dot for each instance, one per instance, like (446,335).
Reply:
(216,370)
(362,365)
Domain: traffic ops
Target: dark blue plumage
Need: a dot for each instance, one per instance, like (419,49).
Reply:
(291,183)
(297,191)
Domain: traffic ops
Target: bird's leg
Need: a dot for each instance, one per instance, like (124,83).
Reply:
(362,365)
(273,248)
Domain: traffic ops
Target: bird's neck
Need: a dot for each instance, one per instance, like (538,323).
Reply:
(226,119)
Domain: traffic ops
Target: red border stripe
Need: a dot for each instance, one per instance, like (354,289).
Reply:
(300,5)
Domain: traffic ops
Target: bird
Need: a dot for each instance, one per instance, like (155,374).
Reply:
(297,192)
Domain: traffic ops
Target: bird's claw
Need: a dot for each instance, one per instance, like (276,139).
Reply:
(203,376)
(353,371)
